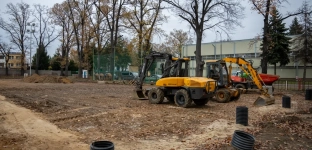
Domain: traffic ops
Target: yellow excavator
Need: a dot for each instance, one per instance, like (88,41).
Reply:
(265,98)
(217,70)
(175,85)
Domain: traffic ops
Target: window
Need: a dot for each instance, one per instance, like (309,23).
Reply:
(18,57)
(11,57)
(1,57)
(18,64)
(11,64)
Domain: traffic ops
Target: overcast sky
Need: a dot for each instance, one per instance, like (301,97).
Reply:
(252,23)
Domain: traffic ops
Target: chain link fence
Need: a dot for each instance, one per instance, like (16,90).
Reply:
(123,69)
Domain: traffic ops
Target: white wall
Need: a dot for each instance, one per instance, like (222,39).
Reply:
(248,49)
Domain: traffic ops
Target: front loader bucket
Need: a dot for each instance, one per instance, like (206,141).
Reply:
(264,100)
(140,94)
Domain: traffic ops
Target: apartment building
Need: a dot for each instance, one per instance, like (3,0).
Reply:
(14,60)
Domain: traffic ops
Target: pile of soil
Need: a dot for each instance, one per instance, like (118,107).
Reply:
(35,78)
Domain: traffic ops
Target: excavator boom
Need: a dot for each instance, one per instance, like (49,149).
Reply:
(265,98)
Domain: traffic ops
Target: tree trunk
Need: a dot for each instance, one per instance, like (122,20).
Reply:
(6,68)
(199,67)
(22,63)
(63,48)
(67,62)
(112,55)
(264,60)
(37,58)
(66,66)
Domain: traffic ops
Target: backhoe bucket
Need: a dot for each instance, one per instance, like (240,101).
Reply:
(264,100)
(140,94)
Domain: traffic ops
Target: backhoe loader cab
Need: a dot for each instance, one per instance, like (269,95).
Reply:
(217,70)
(175,85)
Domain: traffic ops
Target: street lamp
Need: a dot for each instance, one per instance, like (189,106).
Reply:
(31,31)
(221,44)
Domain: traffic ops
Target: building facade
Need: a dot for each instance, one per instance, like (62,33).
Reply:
(14,60)
(248,49)
(2,61)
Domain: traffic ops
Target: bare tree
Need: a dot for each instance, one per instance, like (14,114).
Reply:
(16,27)
(5,50)
(100,27)
(60,14)
(204,15)
(143,17)
(162,47)
(112,12)
(45,34)
(303,43)
(79,11)
(176,39)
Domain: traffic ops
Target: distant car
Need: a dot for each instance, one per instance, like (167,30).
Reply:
(127,75)
(135,74)
(152,78)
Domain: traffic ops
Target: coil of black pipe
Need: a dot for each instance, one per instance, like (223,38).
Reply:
(242,140)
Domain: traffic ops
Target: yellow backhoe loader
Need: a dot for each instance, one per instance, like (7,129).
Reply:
(175,84)
(265,98)
(217,70)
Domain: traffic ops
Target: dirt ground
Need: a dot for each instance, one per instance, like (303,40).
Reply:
(72,116)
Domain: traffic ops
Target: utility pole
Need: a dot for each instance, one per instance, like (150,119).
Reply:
(31,31)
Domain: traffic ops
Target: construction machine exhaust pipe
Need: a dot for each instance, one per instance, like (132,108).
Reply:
(264,100)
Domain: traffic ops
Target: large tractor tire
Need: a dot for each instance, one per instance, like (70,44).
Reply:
(201,102)
(240,86)
(182,98)
(223,96)
(156,96)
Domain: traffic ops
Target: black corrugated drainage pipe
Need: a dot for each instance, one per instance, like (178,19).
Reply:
(308,95)
(102,145)
(242,140)
(242,115)
(286,102)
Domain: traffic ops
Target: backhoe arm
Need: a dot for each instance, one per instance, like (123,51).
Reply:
(148,61)
(264,98)
(253,72)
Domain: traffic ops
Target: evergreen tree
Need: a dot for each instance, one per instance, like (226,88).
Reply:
(55,61)
(44,59)
(303,43)
(295,28)
(279,42)
(72,66)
